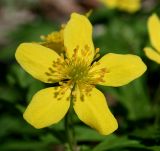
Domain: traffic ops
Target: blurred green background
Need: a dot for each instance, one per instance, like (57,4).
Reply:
(136,105)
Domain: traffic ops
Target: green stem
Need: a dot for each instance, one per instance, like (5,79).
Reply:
(70,133)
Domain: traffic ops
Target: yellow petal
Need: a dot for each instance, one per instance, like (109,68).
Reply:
(94,112)
(120,69)
(36,60)
(45,109)
(152,54)
(57,47)
(54,41)
(154,31)
(110,3)
(78,33)
(130,6)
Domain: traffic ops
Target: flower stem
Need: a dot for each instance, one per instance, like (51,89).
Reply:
(70,131)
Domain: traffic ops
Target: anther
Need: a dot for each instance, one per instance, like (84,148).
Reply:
(68,99)
(97,56)
(97,50)
(50,80)
(61,83)
(42,37)
(86,47)
(67,61)
(51,70)
(73,93)
(104,70)
(56,94)
(82,97)
(74,99)
(62,56)
(59,98)
(63,25)
(48,74)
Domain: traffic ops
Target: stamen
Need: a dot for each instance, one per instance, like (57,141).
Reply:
(77,71)
(97,55)
(42,37)
(51,80)
(82,97)
(48,74)
(97,50)
(73,93)
(51,70)
(59,94)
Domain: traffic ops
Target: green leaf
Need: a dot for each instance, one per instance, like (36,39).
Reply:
(9,94)
(87,134)
(49,138)
(20,76)
(15,124)
(134,98)
(149,133)
(114,142)
(34,87)
(24,146)
(155,148)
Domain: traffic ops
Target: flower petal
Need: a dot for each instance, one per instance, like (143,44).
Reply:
(45,109)
(152,54)
(37,60)
(154,31)
(93,111)
(120,69)
(54,41)
(78,32)
(130,6)
(110,3)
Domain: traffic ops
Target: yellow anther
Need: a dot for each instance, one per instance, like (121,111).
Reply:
(86,47)
(67,61)
(104,70)
(51,80)
(73,93)
(97,55)
(76,70)
(51,70)
(97,50)
(62,56)
(63,26)
(48,74)
(42,37)
(75,53)
(61,83)
(82,97)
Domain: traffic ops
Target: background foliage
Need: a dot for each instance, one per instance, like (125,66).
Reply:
(136,105)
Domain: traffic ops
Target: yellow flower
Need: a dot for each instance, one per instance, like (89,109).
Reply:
(130,6)
(154,33)
(54,41)
(78,76)
(110,3)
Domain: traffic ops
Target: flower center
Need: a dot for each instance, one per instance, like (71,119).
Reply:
(76,71)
